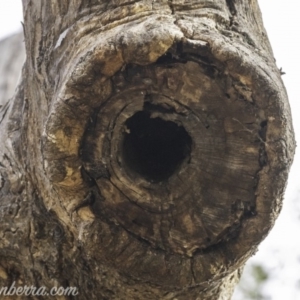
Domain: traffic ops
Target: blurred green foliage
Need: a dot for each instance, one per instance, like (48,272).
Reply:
(251,284)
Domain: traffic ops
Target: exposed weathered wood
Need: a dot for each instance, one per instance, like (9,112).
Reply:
(146,151)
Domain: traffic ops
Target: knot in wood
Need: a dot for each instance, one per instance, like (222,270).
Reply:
(175,155)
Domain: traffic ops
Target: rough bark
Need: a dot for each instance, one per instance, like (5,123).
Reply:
(146,150)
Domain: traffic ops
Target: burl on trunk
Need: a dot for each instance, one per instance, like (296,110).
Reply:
(146,150)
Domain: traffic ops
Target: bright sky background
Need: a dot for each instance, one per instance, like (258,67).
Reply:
(280,252)
(10,17)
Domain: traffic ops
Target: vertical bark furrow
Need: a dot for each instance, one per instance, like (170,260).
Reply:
(231,7)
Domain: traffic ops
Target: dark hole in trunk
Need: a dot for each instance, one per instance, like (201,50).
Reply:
(155,148)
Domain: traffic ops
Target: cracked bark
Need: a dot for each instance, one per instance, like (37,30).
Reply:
(145,152)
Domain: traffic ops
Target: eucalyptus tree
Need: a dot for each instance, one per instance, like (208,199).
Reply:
(146,149)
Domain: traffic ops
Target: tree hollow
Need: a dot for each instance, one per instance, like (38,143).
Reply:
(153,147)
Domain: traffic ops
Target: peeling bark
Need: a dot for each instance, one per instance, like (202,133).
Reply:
(146,150)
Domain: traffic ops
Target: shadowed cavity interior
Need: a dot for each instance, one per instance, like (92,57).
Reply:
(154,148)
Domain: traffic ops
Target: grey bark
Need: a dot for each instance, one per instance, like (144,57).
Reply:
(145,152)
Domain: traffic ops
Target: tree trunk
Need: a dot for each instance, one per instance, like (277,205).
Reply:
(146,150)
